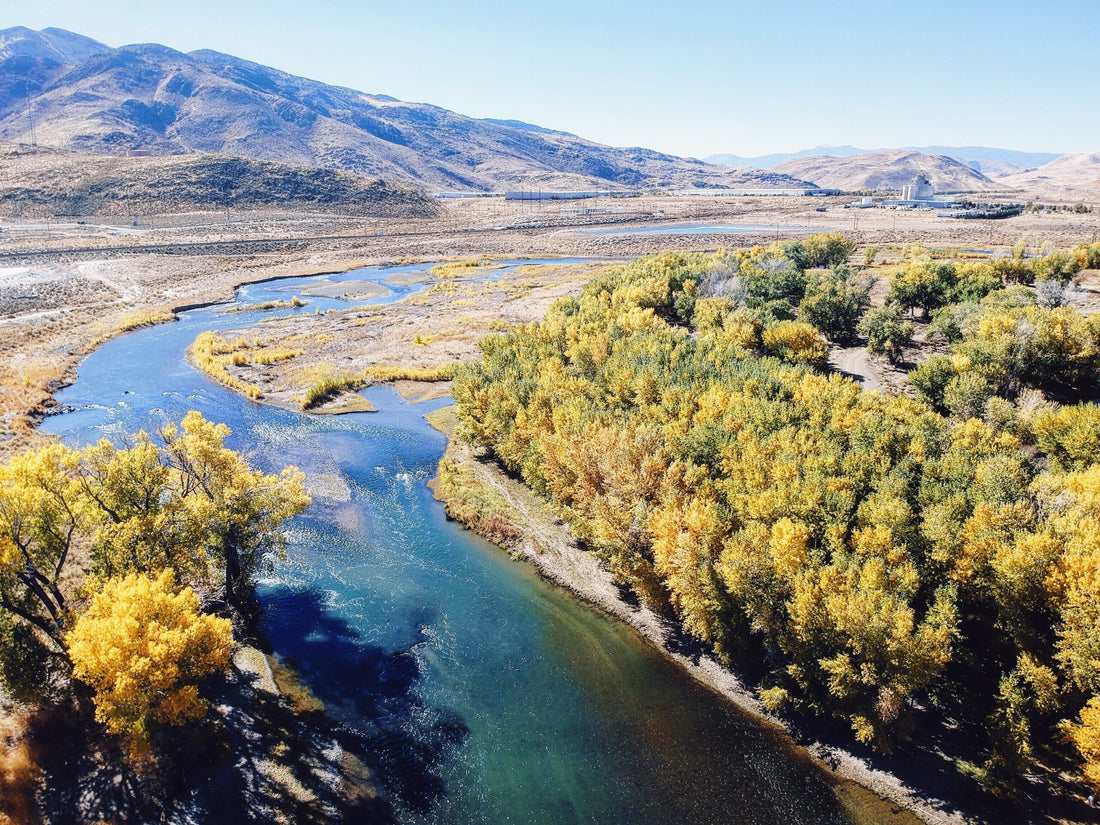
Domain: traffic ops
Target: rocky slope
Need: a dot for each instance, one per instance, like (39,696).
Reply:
(889,170)
(72,93)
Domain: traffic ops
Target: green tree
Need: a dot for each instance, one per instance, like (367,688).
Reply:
(886,333)
(834,303)
(41,513)
(922,285)
(827,249)
(773,278)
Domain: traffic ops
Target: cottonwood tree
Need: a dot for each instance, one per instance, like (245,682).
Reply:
(871,552)
(41,514)
(236,509)
(190,504)
(144,647)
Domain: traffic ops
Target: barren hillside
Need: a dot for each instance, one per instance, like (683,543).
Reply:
(155,99)
(1070,177)
(53,182)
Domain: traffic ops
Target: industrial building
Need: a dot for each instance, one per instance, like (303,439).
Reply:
(919,190)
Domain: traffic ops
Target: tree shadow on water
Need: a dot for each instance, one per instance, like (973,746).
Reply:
(370,695)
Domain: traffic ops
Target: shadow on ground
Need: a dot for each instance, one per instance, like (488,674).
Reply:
(356,746)
(370,696)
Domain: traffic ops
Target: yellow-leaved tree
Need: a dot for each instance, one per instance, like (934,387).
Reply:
(797,342)
(1086,737)
(143,646)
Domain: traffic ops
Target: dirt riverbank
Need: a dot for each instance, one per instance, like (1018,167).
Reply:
(478,494)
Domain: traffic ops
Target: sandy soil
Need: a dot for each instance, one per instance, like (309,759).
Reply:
(439,327)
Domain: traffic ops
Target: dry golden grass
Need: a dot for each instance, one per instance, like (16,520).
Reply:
(133,320)
(144,318)
(442,372)
(213,354)
(330,386)
(266,305)
(463,269)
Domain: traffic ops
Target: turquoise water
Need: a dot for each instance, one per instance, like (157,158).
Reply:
(699,229)
(476,692)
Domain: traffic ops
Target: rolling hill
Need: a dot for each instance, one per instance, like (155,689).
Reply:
(46,182)
(70,92)
(1070,177)
(890,170)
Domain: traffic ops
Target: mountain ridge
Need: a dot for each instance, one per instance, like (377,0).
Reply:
(1074,176)
(151,98)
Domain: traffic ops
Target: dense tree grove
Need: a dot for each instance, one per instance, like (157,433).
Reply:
(874,552)
(140,517)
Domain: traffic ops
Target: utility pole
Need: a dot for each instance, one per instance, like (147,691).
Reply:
(30,114)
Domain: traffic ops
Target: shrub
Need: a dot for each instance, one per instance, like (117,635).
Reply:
(797,343)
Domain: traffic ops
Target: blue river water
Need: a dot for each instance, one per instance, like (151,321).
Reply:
(699,229)
(475,691)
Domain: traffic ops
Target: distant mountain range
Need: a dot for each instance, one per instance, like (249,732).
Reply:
(885,171)
(64,90)
(989,161)
(1067,178)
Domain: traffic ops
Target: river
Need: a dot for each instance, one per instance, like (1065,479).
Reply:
(474,690)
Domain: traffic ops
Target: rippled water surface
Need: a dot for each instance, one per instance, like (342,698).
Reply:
(476,692)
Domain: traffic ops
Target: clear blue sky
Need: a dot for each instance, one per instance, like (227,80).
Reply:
(690,78)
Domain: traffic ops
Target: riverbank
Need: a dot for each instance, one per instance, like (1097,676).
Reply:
(63,286)
(477,493)
(266,751)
